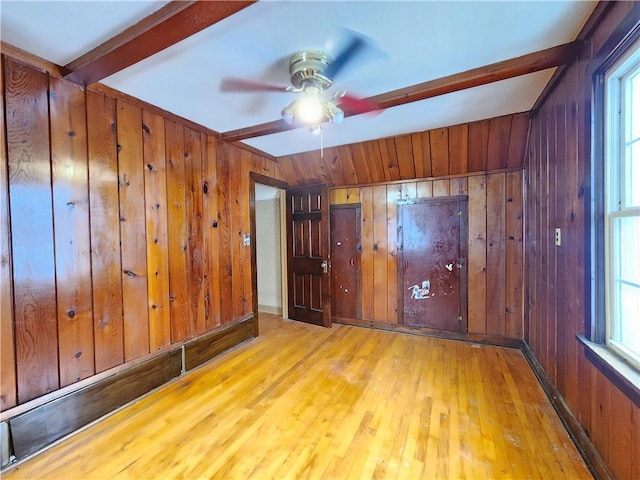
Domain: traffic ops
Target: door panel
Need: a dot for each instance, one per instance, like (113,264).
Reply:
(345,261)
(432,264)
(309,279)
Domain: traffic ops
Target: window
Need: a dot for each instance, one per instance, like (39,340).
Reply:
(612,327)
(622,205)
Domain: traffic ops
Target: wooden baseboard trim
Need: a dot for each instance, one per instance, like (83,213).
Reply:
(45,424)
(205,348)
(270,309)
(494,340)
(38,428)
(592,458)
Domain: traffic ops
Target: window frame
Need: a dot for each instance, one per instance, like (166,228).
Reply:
(615,126)
(621,372)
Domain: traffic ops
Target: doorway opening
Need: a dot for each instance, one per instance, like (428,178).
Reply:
(270,250)
(268,246)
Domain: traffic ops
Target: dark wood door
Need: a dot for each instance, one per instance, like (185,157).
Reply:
(309,280)
(345,261)
(432,238)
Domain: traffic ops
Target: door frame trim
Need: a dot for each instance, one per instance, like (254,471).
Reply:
(271,182)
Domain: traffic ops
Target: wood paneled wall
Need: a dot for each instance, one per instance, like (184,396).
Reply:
(557,185)
(495,249)
(121,232)
(487,145)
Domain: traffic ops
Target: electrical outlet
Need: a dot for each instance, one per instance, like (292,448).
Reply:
(558,237)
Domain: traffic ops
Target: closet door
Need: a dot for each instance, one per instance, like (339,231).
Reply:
(432,239)
(345,261)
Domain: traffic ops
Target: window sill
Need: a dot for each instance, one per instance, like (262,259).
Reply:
(623,375)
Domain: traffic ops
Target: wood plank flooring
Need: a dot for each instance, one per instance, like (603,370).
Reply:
(302,401)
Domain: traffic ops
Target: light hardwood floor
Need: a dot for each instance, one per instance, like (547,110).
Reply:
(347,402)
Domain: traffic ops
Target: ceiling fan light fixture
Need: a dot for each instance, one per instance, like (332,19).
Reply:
(307,110)
(310,110)
(333,113)
(307,69)
(289,112)
(311,73)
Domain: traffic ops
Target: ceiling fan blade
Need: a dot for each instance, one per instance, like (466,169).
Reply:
(242,85)
(356,44)
(355,106)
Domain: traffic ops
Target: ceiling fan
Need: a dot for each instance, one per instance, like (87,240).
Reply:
(312,74)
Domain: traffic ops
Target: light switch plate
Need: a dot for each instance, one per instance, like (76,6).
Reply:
(558,237)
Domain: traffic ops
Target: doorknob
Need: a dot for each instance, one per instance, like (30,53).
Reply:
(324,266)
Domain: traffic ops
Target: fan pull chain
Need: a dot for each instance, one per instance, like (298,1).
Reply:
(321,143)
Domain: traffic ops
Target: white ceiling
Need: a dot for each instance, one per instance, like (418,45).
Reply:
(413,42)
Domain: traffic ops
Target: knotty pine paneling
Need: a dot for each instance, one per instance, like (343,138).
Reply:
(348,165)
(223,227)
(338,171)
(380,252)
(210,234)
(496,261)
(236,230)
(121,233)
(495,246)
(32,242)
(7,346)
(106,280)
(557,184)
(68,129)
(366,257)
(477,251)
(177,229)
(193,191)
(155,194)
(483,146)
(133,239)
(247,160)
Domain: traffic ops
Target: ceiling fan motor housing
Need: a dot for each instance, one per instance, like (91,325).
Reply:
(307,69)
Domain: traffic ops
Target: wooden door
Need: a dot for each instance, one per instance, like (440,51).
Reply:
(345,261)
(432,239)
(309,280)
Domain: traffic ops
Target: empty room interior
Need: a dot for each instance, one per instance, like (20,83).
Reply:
(320,239)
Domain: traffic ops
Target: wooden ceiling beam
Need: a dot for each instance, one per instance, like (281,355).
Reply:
(172,23)
(514,67)
(261,130)
(495,72)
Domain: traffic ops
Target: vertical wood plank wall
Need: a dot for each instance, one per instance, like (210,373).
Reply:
(480,159)
(557,186)
(495,246)
(482,146)
(121,232)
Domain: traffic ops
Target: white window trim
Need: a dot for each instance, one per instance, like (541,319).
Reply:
(614,208)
